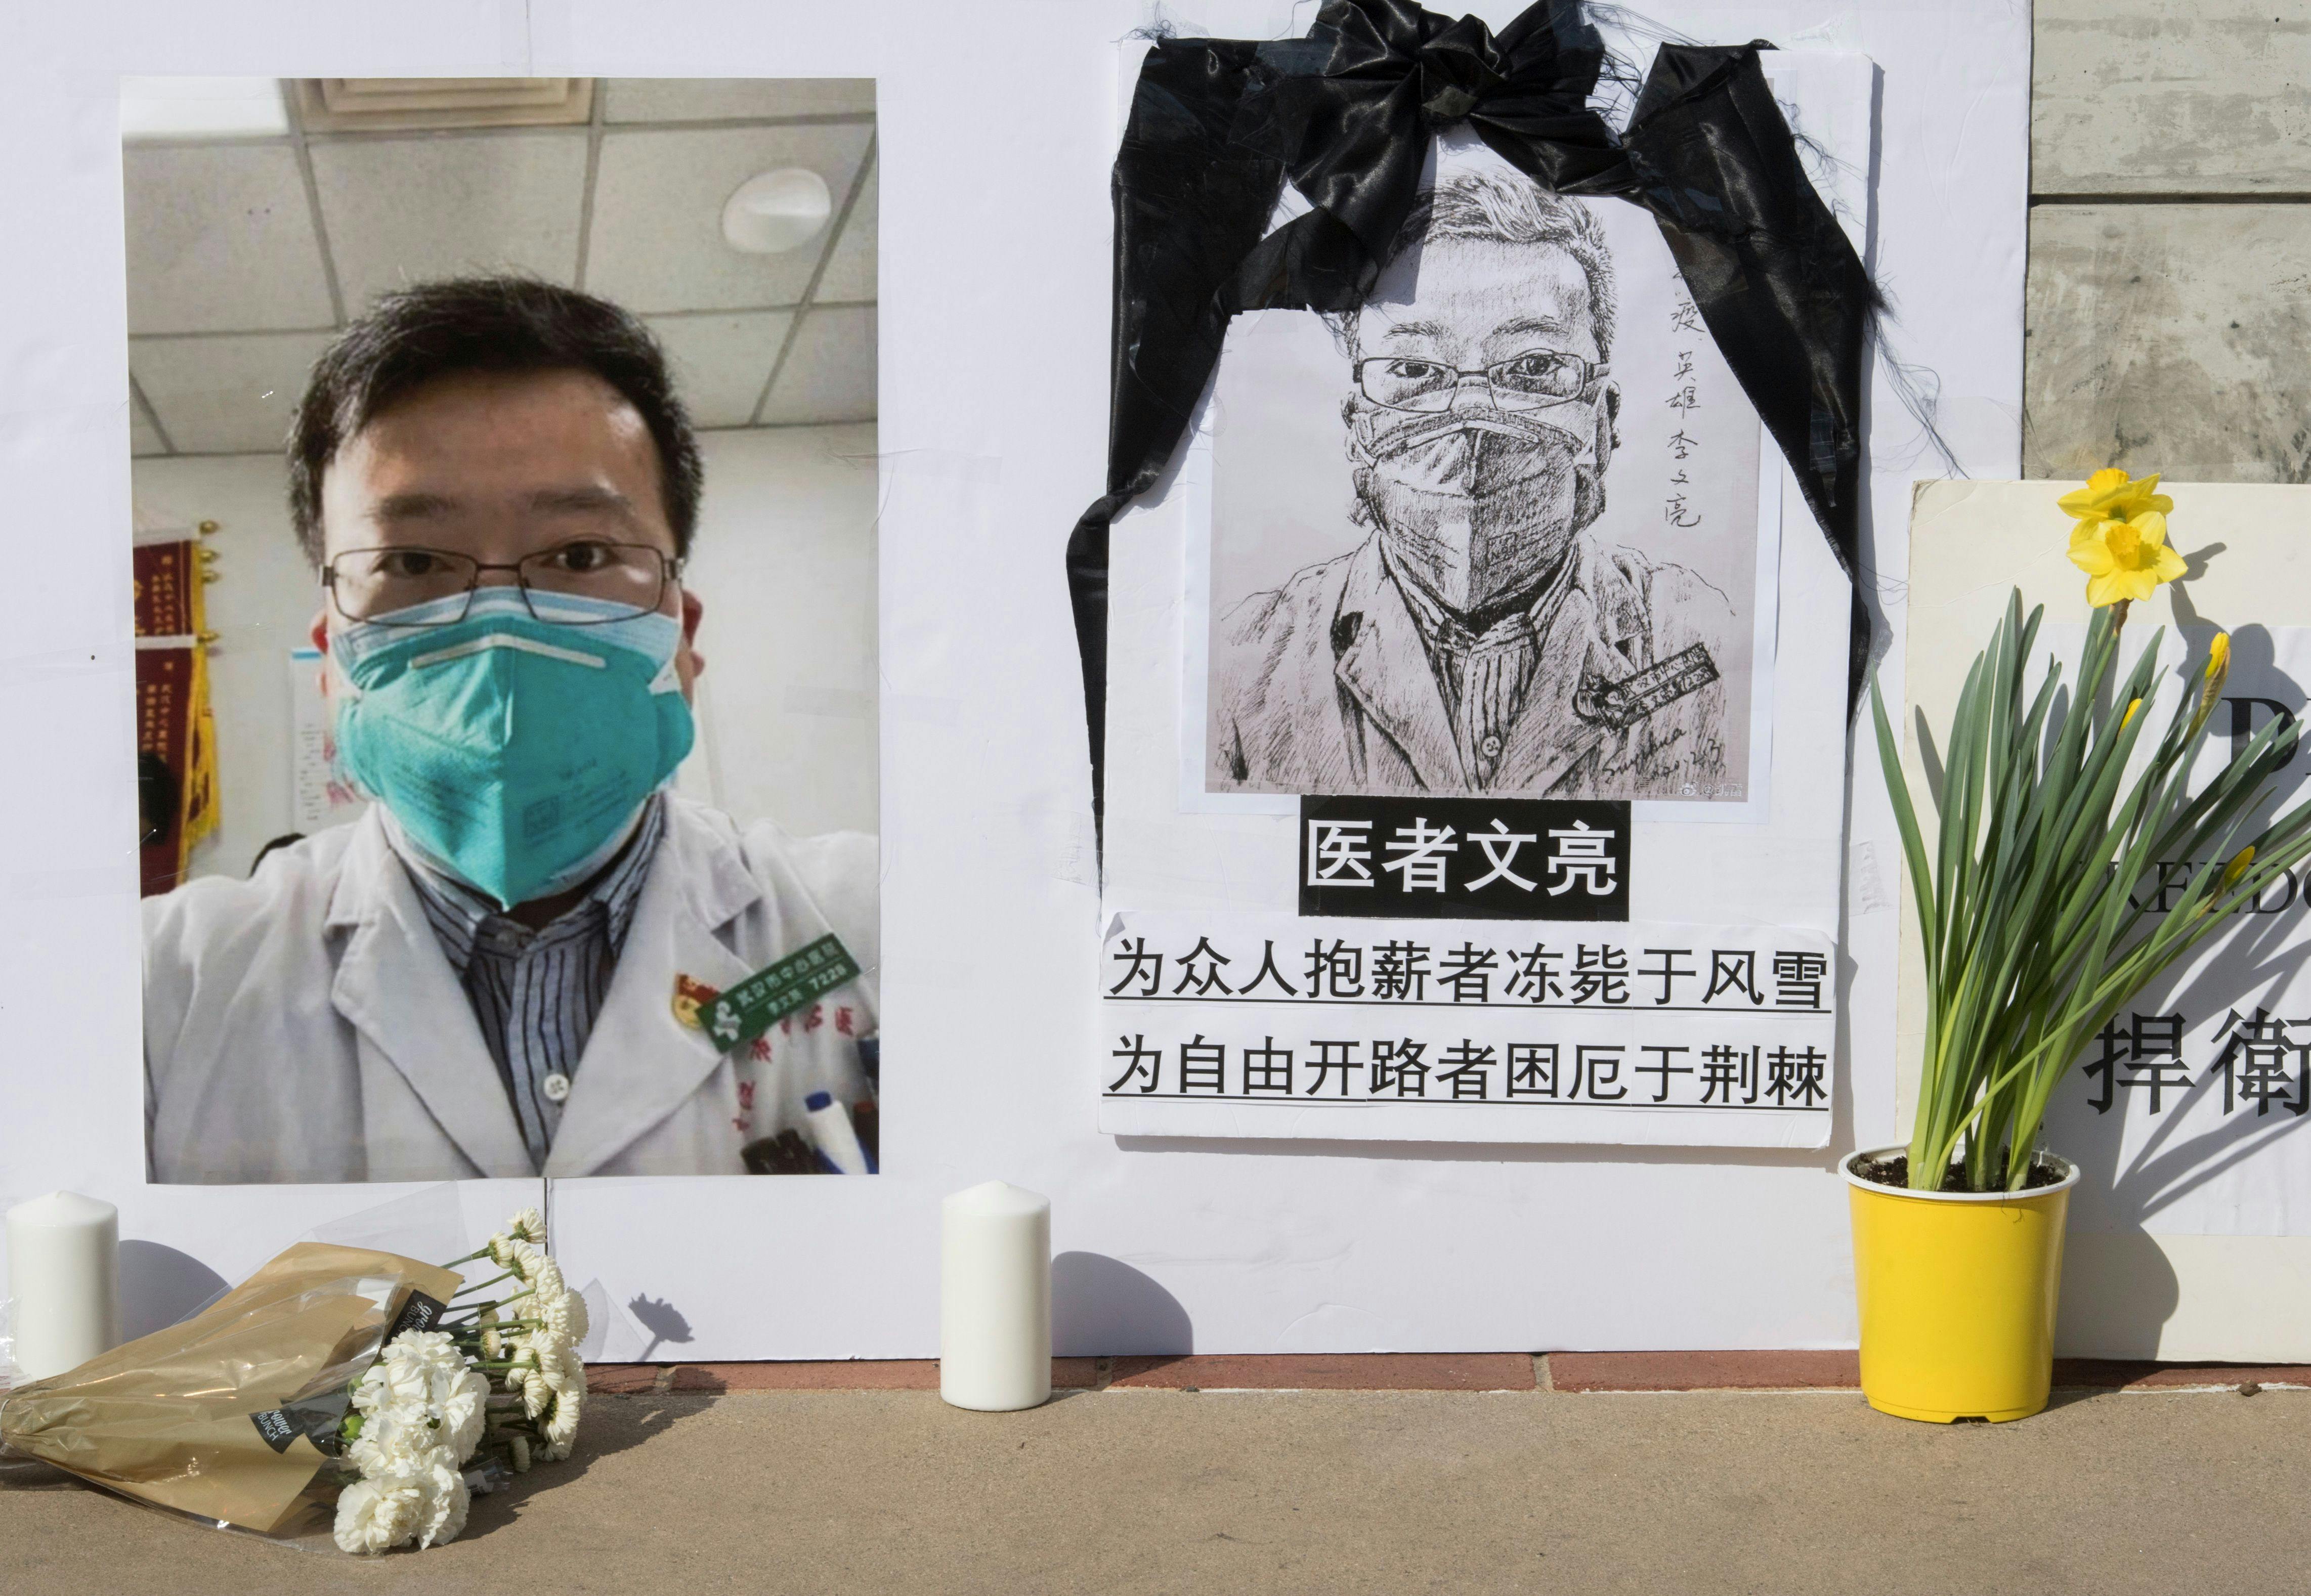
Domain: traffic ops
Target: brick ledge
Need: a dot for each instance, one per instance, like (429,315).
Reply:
(1563,1372)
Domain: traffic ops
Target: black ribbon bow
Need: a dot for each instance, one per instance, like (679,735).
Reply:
(1218,127)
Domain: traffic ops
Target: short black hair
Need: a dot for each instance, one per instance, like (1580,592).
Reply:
(1506,208)
(484,324)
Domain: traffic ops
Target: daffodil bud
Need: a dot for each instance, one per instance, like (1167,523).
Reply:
(2211,691)
(2237,867)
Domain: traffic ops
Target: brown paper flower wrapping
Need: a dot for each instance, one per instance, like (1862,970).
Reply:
(172,1417)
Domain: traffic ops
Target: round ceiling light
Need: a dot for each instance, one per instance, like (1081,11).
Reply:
(773,212)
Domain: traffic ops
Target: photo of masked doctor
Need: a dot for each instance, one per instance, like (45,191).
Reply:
(506,966)
(1480,638)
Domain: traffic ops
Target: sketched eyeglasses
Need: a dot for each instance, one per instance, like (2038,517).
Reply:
(1521,382)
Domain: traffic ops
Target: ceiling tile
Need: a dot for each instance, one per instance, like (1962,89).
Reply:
(220,238)
(850,269)
(142,439)
(705,99)
(401,211)
(830,372)
(721,363)
(225,395)
(657,214)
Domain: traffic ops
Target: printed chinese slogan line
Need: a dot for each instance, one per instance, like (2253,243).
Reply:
(1255,1024)
(771,993)
(1464,859)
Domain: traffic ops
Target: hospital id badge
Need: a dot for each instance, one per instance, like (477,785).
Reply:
(736,1017)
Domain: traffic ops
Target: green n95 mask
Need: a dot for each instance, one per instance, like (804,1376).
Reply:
(512,750)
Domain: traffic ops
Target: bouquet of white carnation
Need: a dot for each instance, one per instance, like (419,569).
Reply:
(332,1374)
(424,1412)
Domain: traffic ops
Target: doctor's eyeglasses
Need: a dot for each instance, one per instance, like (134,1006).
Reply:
(1522,382)
(624,580)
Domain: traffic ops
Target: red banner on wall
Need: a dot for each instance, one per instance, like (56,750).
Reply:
(176,733)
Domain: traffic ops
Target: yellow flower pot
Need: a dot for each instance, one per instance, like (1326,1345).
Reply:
(1958,1292)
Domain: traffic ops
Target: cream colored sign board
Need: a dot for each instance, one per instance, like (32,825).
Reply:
(2157,1278)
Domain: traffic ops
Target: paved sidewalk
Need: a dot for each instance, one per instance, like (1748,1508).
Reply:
(1161,1490)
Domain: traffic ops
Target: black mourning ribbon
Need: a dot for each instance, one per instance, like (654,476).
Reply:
(1218,125)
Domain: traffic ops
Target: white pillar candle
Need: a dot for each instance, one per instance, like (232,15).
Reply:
(995,1299)
(64,1272)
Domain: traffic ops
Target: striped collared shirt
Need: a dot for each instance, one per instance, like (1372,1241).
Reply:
(537,993)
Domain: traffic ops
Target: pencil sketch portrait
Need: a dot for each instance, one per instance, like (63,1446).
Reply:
(1472,627)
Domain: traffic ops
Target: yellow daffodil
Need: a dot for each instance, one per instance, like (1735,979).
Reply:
(2125,560)
(2110,495)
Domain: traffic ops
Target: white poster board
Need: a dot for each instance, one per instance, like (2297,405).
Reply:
(1257,527)
(995,316)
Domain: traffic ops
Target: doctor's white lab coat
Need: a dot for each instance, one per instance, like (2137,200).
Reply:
(304,1024)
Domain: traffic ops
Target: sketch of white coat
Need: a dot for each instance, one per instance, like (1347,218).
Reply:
(1326,686)
(304,1024)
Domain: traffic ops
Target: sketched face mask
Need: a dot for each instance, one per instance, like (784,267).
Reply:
(1475,504)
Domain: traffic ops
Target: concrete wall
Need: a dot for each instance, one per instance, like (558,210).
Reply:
(784,561)
(2170,303)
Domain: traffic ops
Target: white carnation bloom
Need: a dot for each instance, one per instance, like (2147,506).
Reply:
(463,1412)
(520,1446)
(578,1322)
(373,1514)
(415,1367)
(394,1438)
(492,1339)
(555,1359)
(445,1498)
(561,1423)
(435,1360)
(514,1250)
(395,1380)
(446,1366)
(511,1250)
(522,1360)
(564,1313)
(370,1393)
(526,1225)
(535,1393)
